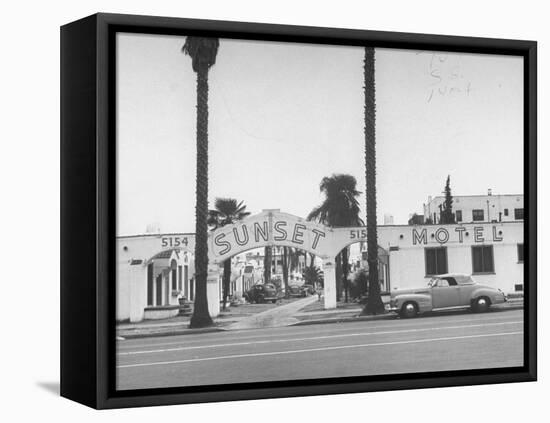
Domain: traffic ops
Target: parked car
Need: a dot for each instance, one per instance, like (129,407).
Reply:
(295,291)
(448,291)
(261,293)
(308,289)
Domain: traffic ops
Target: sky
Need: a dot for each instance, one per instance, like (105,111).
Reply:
(284,115)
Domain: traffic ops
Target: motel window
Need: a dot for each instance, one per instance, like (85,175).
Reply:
(482,259)
(179,278)
(518,214)
(459,215)
(174,271)
(150,284)
(520,253)
(505,212)
(436,261)
(478,215)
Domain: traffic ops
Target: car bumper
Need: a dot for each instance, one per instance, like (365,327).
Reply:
(389,307)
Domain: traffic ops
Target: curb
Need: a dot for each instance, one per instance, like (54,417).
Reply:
(346,319)
(387,316)
(169,333)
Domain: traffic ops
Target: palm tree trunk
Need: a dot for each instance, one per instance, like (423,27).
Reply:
(268,258)
(293,259)
(285,268)
(338,274)
(374,303)
(201,316)
(226,280)
(345,272)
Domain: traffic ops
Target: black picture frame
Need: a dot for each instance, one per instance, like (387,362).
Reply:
(88,210)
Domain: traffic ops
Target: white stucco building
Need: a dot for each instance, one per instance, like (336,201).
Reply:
(153,271)
(478,208)
(491,252)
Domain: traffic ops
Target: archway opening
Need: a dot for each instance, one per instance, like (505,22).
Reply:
(293,272)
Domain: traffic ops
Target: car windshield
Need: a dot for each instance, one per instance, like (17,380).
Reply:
(433,282)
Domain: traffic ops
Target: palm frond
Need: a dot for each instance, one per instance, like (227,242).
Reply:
(226,212)
(202,50)
(340,207)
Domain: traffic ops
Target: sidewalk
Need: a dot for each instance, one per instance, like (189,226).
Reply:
(276,317)
(270,315)
(352,314)
(178,325)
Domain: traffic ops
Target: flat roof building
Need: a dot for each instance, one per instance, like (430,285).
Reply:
(477,208)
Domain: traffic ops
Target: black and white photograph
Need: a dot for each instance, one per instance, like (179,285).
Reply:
(266,212)
(293,211)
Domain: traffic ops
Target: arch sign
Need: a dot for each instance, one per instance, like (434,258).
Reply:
(274,228)
(270,228)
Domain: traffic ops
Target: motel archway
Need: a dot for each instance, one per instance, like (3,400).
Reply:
(277,229)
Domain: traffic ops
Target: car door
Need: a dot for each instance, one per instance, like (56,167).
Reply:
(445,293)
(466,291)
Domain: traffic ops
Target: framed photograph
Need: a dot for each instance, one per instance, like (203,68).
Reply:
(256,211)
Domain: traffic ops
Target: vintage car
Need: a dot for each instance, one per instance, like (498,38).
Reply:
(308,289)
(449,291)
(295,291)
(261,293)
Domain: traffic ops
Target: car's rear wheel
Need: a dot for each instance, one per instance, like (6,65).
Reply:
(409,310)
(481,304)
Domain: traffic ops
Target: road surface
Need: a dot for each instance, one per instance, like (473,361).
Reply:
(431,343)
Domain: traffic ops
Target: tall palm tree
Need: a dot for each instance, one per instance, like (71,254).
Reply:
(294,258)
(203,53)
(340,208)
(286,266)
(268,259)
(374,303)
(226,212)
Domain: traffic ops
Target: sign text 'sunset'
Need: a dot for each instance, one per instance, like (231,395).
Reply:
(282,232)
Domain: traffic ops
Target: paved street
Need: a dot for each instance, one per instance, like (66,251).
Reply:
(431,343)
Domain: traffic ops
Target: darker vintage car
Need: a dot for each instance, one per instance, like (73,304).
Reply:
(295,291)
(308,289)
(443,292)
(261,293)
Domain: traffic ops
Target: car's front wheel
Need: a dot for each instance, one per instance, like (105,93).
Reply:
(481,304)
(409,310)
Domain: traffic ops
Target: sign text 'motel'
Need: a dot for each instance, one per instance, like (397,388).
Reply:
(281,231)
(442,235)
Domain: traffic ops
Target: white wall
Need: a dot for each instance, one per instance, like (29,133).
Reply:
(131,280)
(407,259)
